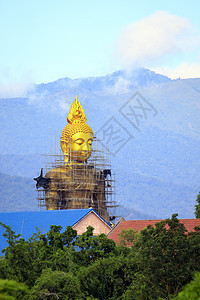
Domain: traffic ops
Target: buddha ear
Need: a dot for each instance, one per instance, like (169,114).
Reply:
(64,146)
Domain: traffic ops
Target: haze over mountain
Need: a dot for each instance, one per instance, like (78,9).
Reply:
(155,154)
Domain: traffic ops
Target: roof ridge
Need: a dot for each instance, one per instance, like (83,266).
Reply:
(92,210)
(119,222)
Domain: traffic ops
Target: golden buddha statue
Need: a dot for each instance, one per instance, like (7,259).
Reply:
(76,184)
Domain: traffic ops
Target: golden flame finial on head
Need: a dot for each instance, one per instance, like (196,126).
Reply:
(76,113)
(76,122)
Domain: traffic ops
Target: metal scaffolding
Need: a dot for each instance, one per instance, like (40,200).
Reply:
(73,186)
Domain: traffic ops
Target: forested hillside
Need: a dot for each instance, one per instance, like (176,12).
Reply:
(157,165)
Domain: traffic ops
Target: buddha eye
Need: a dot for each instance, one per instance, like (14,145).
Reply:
(79,142)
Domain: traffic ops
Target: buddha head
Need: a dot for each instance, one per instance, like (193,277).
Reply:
(77,136)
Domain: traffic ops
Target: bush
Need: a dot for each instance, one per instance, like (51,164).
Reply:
(55,285)
(11,290)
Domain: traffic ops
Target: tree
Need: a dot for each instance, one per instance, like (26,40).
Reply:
(90,248)
(191,291)
(17,257)
(197,207)
(158,262)
(25,260)
(167,256)
(107,278)
(128,237)
(56,285)
(11,290)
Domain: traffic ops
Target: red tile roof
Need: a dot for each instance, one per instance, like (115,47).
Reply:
(141,224)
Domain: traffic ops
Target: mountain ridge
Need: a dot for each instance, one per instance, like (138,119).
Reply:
(165,148)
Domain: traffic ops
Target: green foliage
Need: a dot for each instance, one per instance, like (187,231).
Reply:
(191,291)
(107,278)
(11,290)
(167,256)
(17,257)
(197,207)
(141,288)
(128,237)
(25,260)
(90,248)
(158,262)
(56,285)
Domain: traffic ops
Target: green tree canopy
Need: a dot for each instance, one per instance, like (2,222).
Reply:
(191,291)
(197,207)
(167,256)
(155,263)
(12,290)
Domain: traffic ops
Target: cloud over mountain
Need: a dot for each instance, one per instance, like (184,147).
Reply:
(157,40)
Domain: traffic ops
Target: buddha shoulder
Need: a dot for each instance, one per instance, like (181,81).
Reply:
(57,172)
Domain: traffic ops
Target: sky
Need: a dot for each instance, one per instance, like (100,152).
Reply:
(44,40)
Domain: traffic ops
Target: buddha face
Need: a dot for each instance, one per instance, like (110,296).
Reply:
(79,147)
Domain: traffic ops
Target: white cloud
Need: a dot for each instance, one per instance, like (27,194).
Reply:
(46,100)
(12,87)
(15,89)
(64,105)
(156,39)
(183,70)
(121,86)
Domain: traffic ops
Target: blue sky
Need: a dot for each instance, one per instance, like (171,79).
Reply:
(42,41)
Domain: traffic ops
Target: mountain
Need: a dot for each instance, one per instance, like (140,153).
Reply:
(156,121)
(17,194)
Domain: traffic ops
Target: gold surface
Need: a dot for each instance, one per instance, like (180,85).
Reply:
(76,184)
(77,136)
(78,148)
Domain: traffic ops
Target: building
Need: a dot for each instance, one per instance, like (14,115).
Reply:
(25,223)
(138,225)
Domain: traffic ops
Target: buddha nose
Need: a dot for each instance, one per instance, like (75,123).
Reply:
(85,147)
